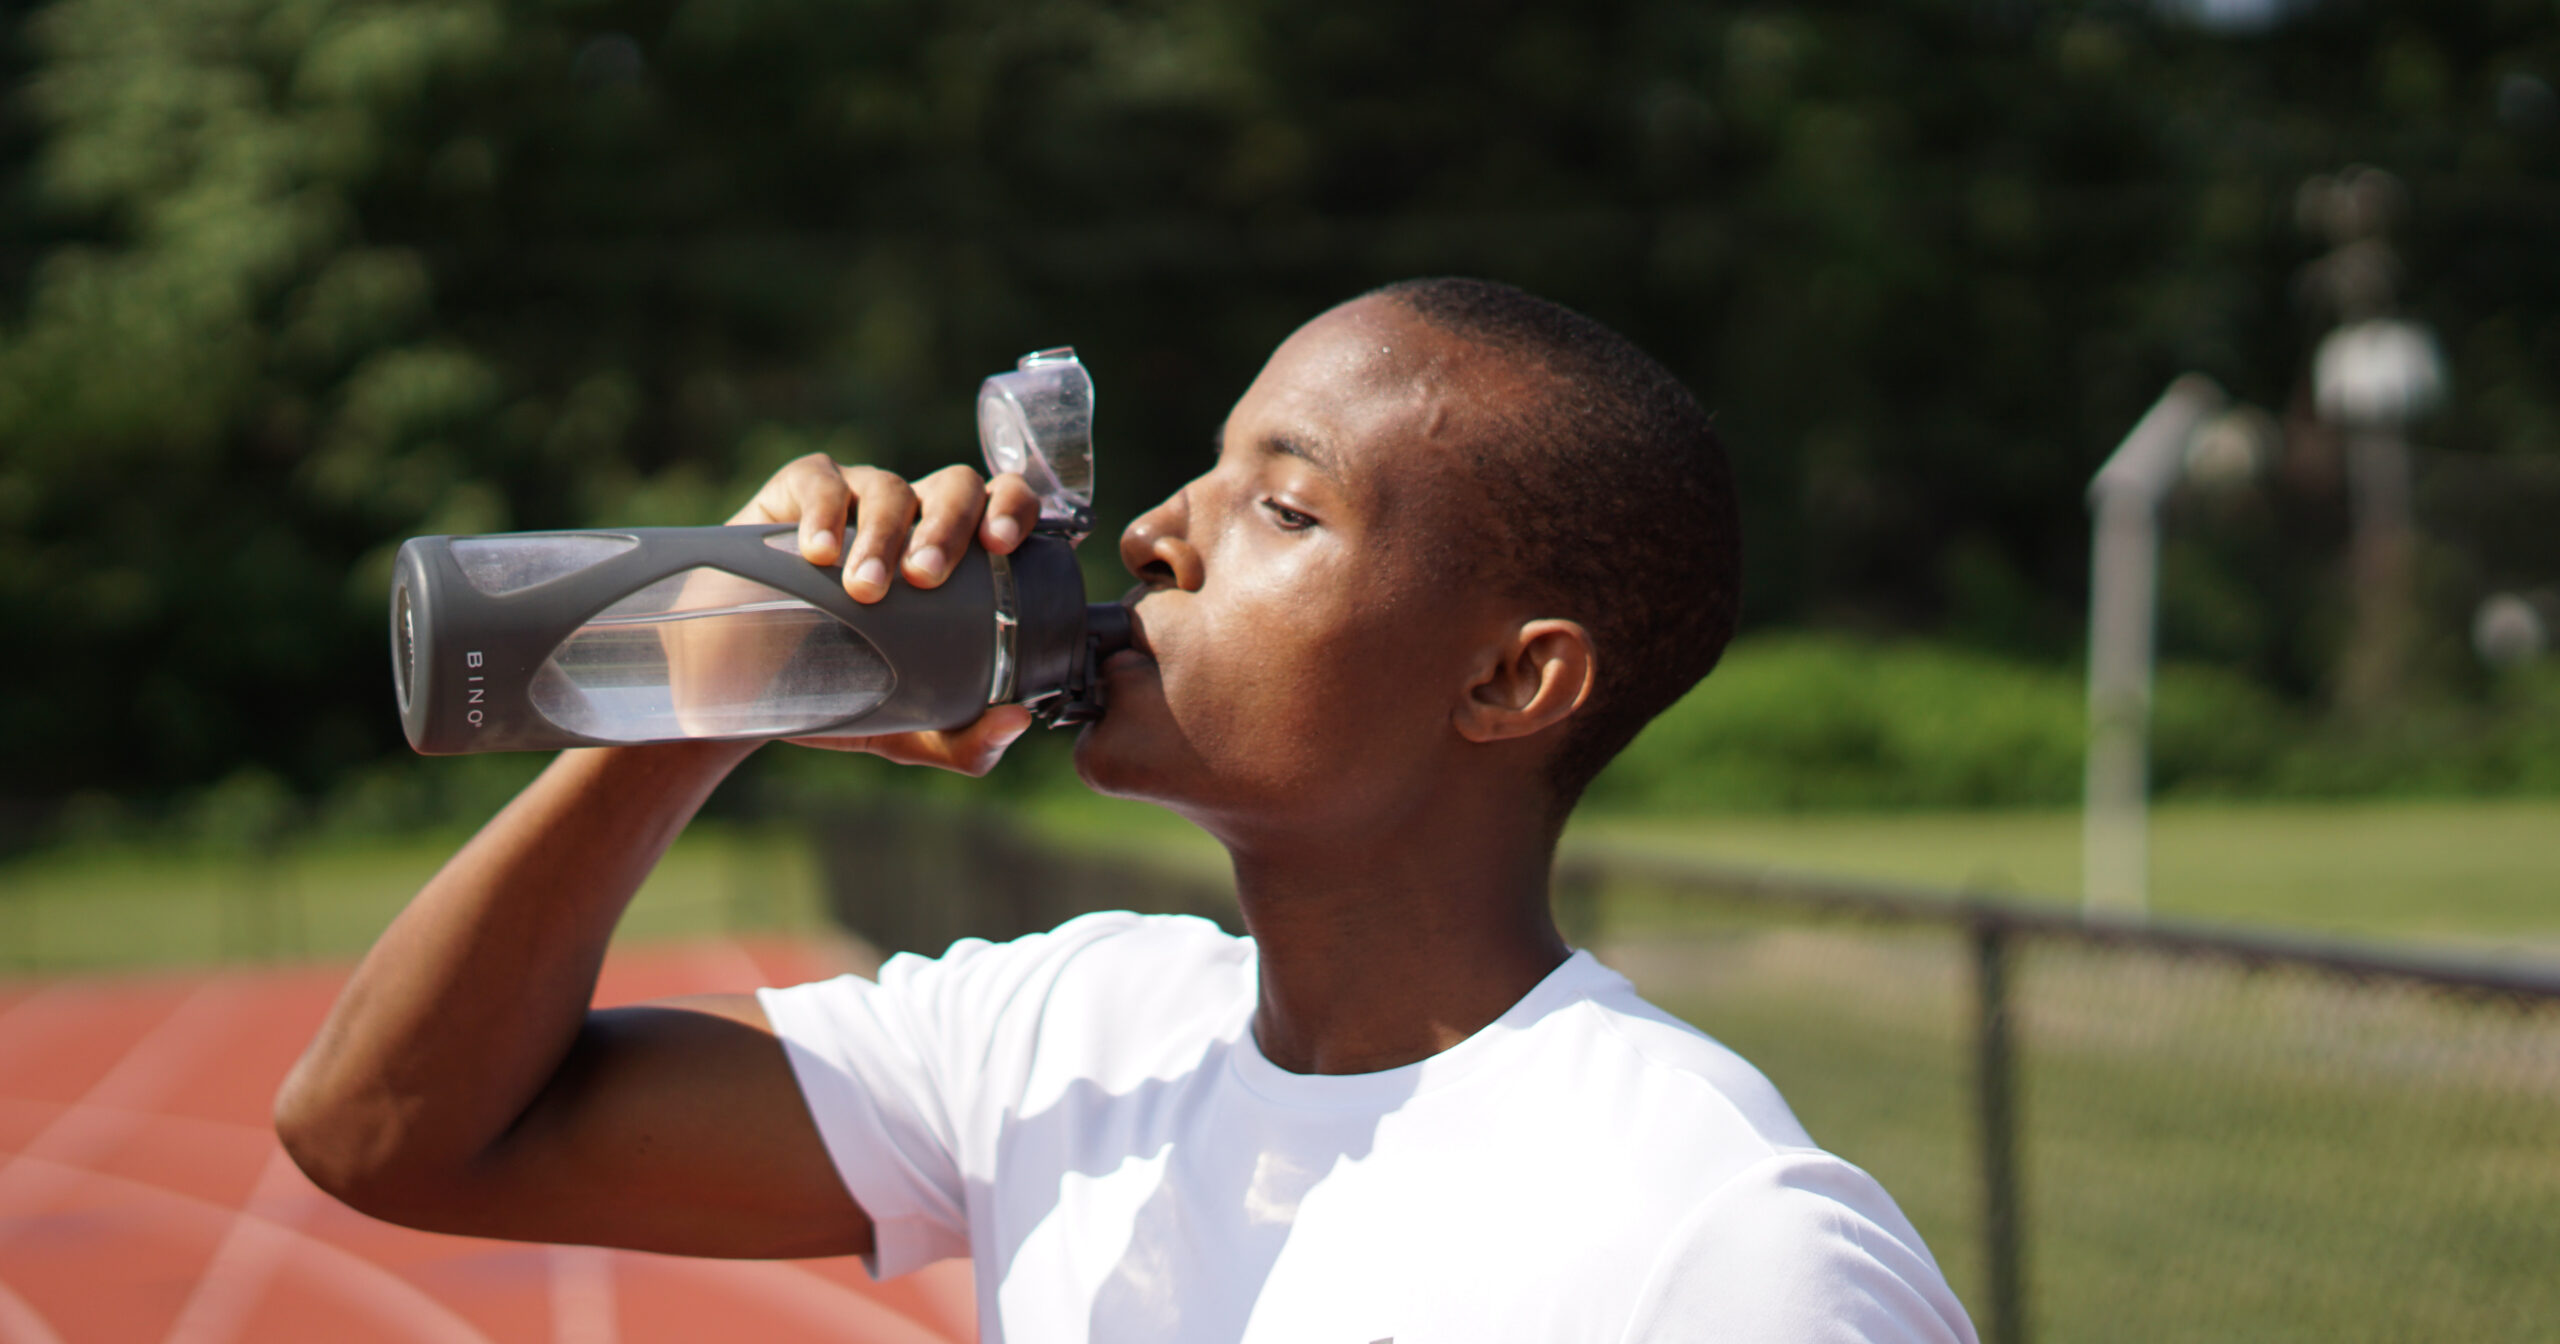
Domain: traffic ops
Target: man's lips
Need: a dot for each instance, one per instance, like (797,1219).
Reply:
(1138,642)
(1140,653)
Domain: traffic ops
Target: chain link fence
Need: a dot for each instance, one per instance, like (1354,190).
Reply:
(2112,1130)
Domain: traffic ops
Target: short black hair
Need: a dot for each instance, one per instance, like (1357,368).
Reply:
(1612,504)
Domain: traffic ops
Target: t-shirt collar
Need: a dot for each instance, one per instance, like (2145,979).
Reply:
(1580,976)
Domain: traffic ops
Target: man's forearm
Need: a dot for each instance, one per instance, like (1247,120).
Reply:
(470,1001)
(462,1084)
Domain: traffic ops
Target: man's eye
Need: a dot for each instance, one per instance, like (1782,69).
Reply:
(1288,518)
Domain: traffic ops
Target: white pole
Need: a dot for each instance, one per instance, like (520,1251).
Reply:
(2124,566)
(2114,819)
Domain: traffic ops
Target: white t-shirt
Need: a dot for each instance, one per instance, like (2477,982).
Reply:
(1085,1113)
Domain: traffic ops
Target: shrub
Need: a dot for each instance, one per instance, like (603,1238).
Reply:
(1794,721)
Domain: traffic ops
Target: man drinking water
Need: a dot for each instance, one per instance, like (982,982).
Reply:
(1457,546)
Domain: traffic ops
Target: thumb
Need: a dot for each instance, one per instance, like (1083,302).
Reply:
(978,747)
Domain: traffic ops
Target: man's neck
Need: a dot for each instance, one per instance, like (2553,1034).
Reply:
(1385,948)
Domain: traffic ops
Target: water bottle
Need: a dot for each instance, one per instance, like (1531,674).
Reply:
(532,641)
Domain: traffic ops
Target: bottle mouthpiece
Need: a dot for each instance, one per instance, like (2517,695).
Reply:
(1106,627)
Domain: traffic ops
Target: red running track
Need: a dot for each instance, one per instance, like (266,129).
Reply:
(144,1199)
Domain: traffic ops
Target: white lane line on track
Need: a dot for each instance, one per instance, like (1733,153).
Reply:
(119,1115)
(21,1323)
(253,1248)
(830,1308)
(582,1296)
(157,1064)
(403,1307)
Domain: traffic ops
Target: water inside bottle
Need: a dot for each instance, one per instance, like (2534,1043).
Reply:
(707,654)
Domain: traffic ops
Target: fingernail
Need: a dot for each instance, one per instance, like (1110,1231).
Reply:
(928,560)
(1006,529)
(1007,737)
(871,573)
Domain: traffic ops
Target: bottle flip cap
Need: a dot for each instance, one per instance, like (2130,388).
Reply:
(1037,422)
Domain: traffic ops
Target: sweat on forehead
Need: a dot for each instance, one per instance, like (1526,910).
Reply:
(1453,398)
(1392,342)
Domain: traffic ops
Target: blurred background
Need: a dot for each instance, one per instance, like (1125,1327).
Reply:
(283,282)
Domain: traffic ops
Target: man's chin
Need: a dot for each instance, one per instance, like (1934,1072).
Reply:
(1124,758)
(1102,764)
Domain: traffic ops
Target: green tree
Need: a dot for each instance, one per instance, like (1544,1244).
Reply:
(284,281)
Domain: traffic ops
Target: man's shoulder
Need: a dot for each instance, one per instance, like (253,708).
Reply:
(1103,967)
(1112,985)
(1093,951)
(1801,1245)
(1744,1219)
(1104,997)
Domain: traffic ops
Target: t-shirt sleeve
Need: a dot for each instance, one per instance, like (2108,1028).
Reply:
(901,1076)
(1801,1247)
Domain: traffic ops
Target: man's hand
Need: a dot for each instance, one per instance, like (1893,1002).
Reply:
(919,531)
(462,1082)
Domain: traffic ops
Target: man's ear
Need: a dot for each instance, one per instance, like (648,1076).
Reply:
(1529,683)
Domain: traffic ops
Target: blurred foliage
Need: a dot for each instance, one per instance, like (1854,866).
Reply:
(1825,721)
(284,281)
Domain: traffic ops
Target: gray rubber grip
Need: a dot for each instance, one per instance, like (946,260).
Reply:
(464,660)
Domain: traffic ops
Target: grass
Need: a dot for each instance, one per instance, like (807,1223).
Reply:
(128,908)
(2207,1154)
(2480,873)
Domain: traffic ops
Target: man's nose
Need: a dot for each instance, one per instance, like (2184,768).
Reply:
(1157,546)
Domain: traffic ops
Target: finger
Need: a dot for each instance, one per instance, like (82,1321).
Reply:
(779,500)
(1012,511)
(973,750)
(834,743)
(821,500)
(884,507)
(951,501)
(976,748)
(809,491)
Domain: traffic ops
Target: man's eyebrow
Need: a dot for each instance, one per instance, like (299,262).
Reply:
(1313,452)
(1310,451)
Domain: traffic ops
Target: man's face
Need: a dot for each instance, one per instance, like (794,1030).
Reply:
(1305,627)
